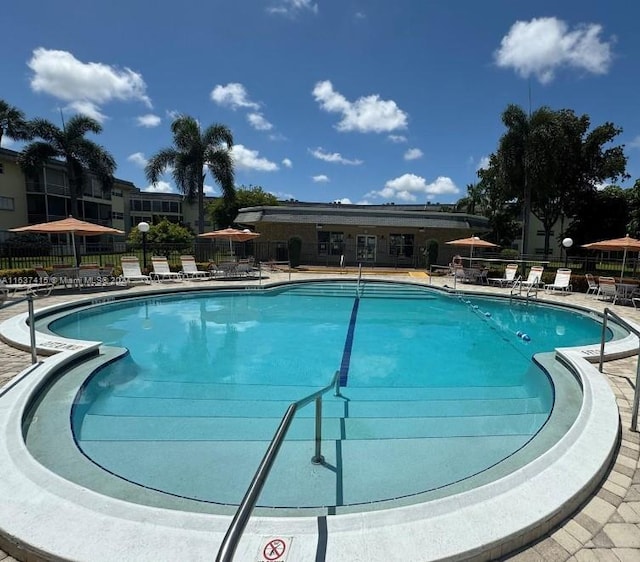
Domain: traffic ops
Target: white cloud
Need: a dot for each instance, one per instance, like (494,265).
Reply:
(247,159)
(149,120)
(138,159)
(87,108)
(333,157)
(413,154)
(160,187)
(232,95)
(85,86)
(365,115)
(540,46)
(343,201)
(635,143)
(321,178)
(408,187)
(287,163)
(397,138)
(258,122)
(292,7)
(483,163)
(6,142)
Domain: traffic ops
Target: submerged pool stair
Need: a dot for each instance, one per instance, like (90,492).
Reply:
(379,443)
(369,289)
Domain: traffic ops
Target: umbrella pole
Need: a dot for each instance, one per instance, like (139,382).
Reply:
(624,259)
(75,252)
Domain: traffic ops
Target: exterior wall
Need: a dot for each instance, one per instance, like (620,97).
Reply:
(13,209)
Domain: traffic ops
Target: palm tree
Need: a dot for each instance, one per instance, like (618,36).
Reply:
(193,149)
(79,154)
(13,123)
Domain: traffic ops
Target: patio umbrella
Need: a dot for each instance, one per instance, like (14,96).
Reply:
(624,244)
(472,242)
(69,226)
(231,234)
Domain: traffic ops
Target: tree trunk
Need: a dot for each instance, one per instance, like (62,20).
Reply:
(201,206)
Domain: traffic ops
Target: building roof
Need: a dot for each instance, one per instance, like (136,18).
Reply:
(360,215)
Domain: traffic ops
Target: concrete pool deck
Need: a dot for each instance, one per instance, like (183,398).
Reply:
(607,527)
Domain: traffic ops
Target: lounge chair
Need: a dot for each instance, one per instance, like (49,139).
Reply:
(161,270)
(509,276)
(190,269)
(131,270)
(562,281)
(592,285)
(608,289)
(534,278)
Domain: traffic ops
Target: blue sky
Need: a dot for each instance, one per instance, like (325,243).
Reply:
(361,101)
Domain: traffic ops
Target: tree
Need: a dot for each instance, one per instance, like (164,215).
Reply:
(547,161)
(193,150)
(600,215)
(79,154)
(163,237)
(13,123)
(223,212)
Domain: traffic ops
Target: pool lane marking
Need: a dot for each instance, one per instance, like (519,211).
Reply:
(348,344)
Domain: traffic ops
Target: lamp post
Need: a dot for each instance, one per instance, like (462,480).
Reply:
(144,228)
(567,243)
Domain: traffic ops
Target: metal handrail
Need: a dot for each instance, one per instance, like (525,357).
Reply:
(608,312)
(32,323)
(248,503)
(359,279)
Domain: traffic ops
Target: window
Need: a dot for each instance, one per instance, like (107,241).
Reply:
(1,168)
(6,203)
(401,245)
(117,215)
(330,243)
(541,233)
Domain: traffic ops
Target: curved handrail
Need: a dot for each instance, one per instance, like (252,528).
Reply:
(608,312)
(248,503)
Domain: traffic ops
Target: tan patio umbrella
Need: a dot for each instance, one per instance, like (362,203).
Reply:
(624,244)
(69,226)
(472,242)
(231,234)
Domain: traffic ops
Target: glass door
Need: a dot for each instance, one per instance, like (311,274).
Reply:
(366,248)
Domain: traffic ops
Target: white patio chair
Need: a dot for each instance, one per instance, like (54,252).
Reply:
(509,276)
(161,270)
(592,288)
(534,278)
(131,270)
(608,289)
(190,269)
(562,281)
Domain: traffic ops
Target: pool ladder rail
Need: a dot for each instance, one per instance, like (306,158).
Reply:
(248,503)
(516,289)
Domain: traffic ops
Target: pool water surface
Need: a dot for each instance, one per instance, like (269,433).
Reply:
(435,389)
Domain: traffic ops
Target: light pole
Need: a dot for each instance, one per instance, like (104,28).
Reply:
(144,228)
(567,243)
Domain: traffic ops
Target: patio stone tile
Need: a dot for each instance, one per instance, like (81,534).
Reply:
(627,554)
(625,535)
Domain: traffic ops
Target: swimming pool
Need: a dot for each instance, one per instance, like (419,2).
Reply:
(58,502)
(436,390)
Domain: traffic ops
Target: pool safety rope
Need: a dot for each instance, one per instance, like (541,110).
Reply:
(487,316)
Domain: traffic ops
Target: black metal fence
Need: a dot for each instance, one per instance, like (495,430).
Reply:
(216,251)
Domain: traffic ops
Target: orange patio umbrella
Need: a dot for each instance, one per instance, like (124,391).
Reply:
(71,226)
(231,234)
(624,244)
(472,242)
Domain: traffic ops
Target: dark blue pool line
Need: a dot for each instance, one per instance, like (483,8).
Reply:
(346,354)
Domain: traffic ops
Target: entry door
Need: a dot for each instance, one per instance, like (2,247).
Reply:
(366,248)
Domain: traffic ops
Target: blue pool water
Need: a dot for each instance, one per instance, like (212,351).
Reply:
(434,389)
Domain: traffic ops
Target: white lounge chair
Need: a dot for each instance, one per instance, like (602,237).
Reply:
(161,270)
(509,276)
(562,281)
(534,279)
(131,270)
(190,269)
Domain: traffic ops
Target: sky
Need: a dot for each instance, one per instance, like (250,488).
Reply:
(357,101)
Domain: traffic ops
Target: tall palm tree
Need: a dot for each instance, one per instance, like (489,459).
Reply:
(193,149)
(13,123)
(68,144)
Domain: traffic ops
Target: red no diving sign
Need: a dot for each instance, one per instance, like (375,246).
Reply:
(274,549)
